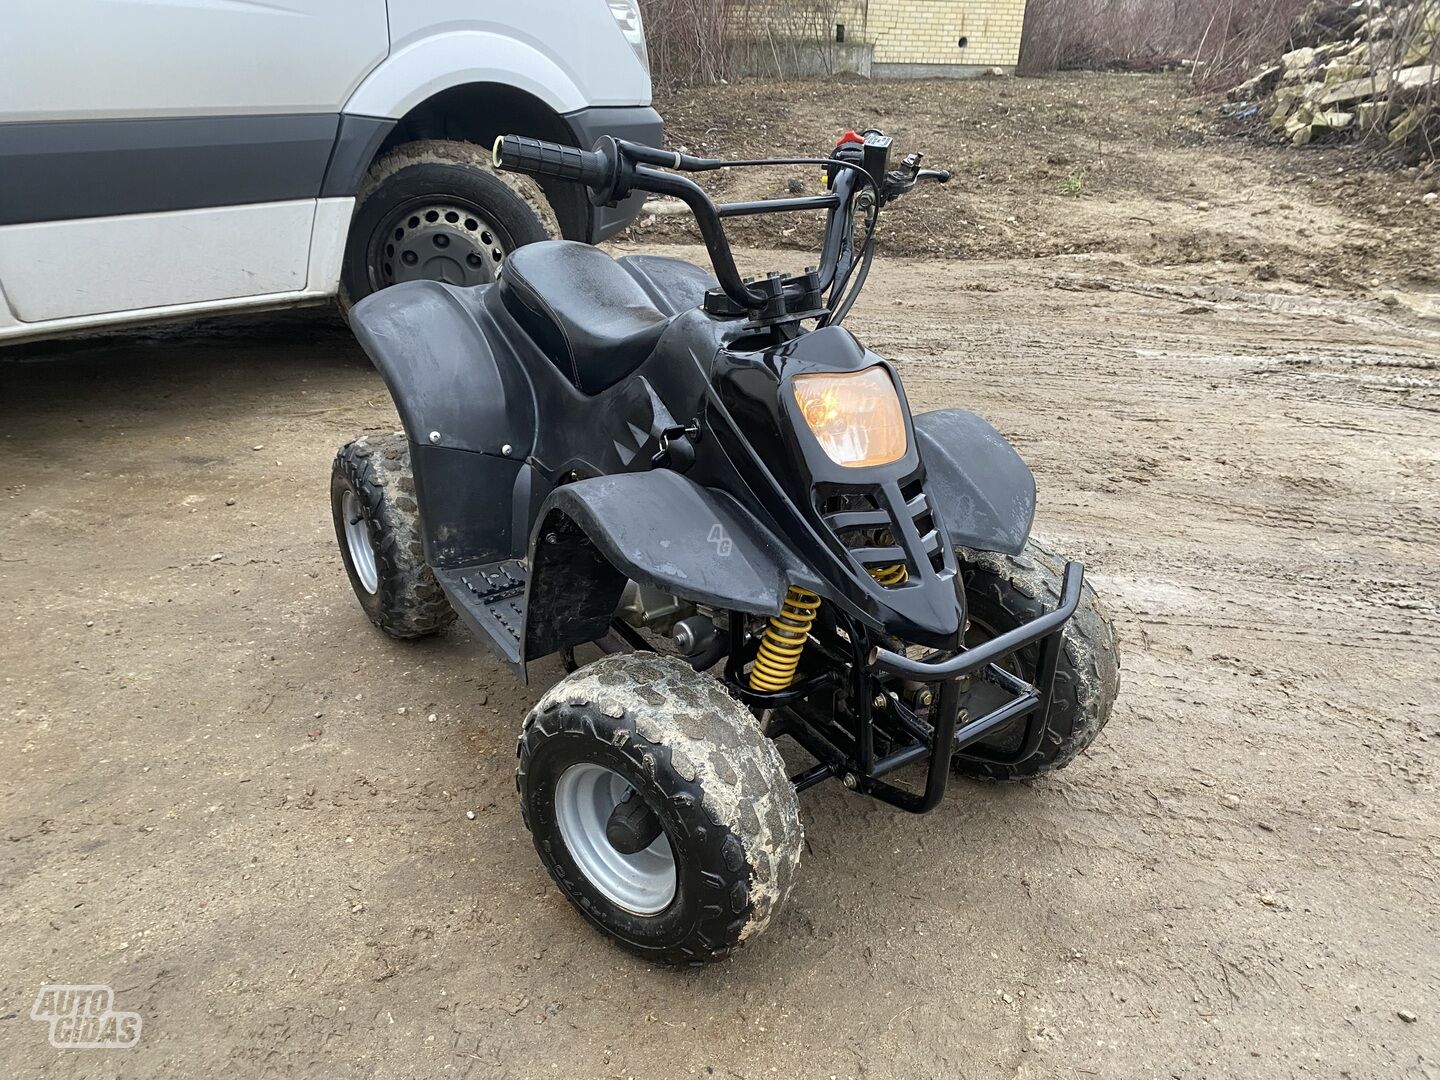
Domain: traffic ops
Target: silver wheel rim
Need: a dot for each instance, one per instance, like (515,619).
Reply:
(357,540)
(642,883)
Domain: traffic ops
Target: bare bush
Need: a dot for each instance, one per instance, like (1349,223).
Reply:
(785,37)
(693,42)
(688,40)
(1218,37)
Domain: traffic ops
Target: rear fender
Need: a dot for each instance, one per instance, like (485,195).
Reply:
(659,529)
(468,411)
(448,366)
(983,493)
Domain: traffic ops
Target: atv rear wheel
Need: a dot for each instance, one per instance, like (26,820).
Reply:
(1003,592)
(659,808)
(377,524)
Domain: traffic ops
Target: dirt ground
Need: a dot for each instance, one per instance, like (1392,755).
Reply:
(227,796)
(1121,164)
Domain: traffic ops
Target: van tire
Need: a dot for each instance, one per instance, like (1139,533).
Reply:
(391,239)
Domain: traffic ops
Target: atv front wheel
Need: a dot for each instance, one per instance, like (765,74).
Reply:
(1003,592)
(377,524)
(659,808)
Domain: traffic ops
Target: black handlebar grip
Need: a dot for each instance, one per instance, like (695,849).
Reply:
(555,161)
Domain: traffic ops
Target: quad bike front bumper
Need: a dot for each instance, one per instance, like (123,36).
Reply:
(848,751)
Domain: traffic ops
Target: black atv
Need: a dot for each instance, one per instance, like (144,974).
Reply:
(717,485)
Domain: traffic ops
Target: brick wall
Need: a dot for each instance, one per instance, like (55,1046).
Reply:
(904,34)
(929,31)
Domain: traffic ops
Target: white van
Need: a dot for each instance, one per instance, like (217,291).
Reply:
(198,156)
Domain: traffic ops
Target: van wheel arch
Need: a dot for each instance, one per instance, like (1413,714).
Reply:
(478,113)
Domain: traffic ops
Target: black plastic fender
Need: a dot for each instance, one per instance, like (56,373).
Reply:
(673,285)
(447,367)
(660,529)
(460,387)
(983,493)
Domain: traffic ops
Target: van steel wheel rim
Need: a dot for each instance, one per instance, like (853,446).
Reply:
(642,883)
(449,241)
(357,540)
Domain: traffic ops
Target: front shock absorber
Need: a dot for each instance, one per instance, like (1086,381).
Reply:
(890,575)
(784,641)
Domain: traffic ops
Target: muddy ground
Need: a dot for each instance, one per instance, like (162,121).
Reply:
(226,795)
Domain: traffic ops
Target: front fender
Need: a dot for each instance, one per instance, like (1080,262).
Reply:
(657,528)
(983,493)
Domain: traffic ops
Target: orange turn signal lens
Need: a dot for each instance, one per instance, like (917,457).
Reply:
(855,415)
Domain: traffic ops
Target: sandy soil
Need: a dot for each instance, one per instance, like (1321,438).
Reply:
(226,795)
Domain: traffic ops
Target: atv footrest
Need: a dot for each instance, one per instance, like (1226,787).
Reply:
(491,599)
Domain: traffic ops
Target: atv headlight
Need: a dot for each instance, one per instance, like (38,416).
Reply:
(855,415)
(627,17)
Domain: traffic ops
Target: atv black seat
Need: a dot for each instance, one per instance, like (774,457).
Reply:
(584,311)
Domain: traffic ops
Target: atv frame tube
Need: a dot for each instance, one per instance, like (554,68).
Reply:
(851,756)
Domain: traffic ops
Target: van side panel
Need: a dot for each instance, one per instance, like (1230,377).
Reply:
(162,155)
(139,58)
(61,269)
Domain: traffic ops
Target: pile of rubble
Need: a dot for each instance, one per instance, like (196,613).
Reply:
(1361,68)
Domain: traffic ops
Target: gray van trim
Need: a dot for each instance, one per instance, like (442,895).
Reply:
(637,123)
(68,169)
(61,170)
(355,146)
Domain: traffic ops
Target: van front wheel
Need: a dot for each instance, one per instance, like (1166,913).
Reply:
(437,210)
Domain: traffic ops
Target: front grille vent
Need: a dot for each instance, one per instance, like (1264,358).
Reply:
(864,527)
(917,505)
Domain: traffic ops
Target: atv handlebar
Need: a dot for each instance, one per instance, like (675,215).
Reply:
(554,161)
(608,170)
(615,168)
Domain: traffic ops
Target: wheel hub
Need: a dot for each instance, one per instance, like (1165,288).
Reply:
(445,242)
(632,826)
(357,540)
(641,881)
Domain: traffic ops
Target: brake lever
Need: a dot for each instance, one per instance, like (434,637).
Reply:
(899,181)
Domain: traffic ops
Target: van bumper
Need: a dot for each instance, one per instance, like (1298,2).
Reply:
(639,124)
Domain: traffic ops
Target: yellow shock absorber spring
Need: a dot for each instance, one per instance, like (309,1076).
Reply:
(891,575)
(784,641)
